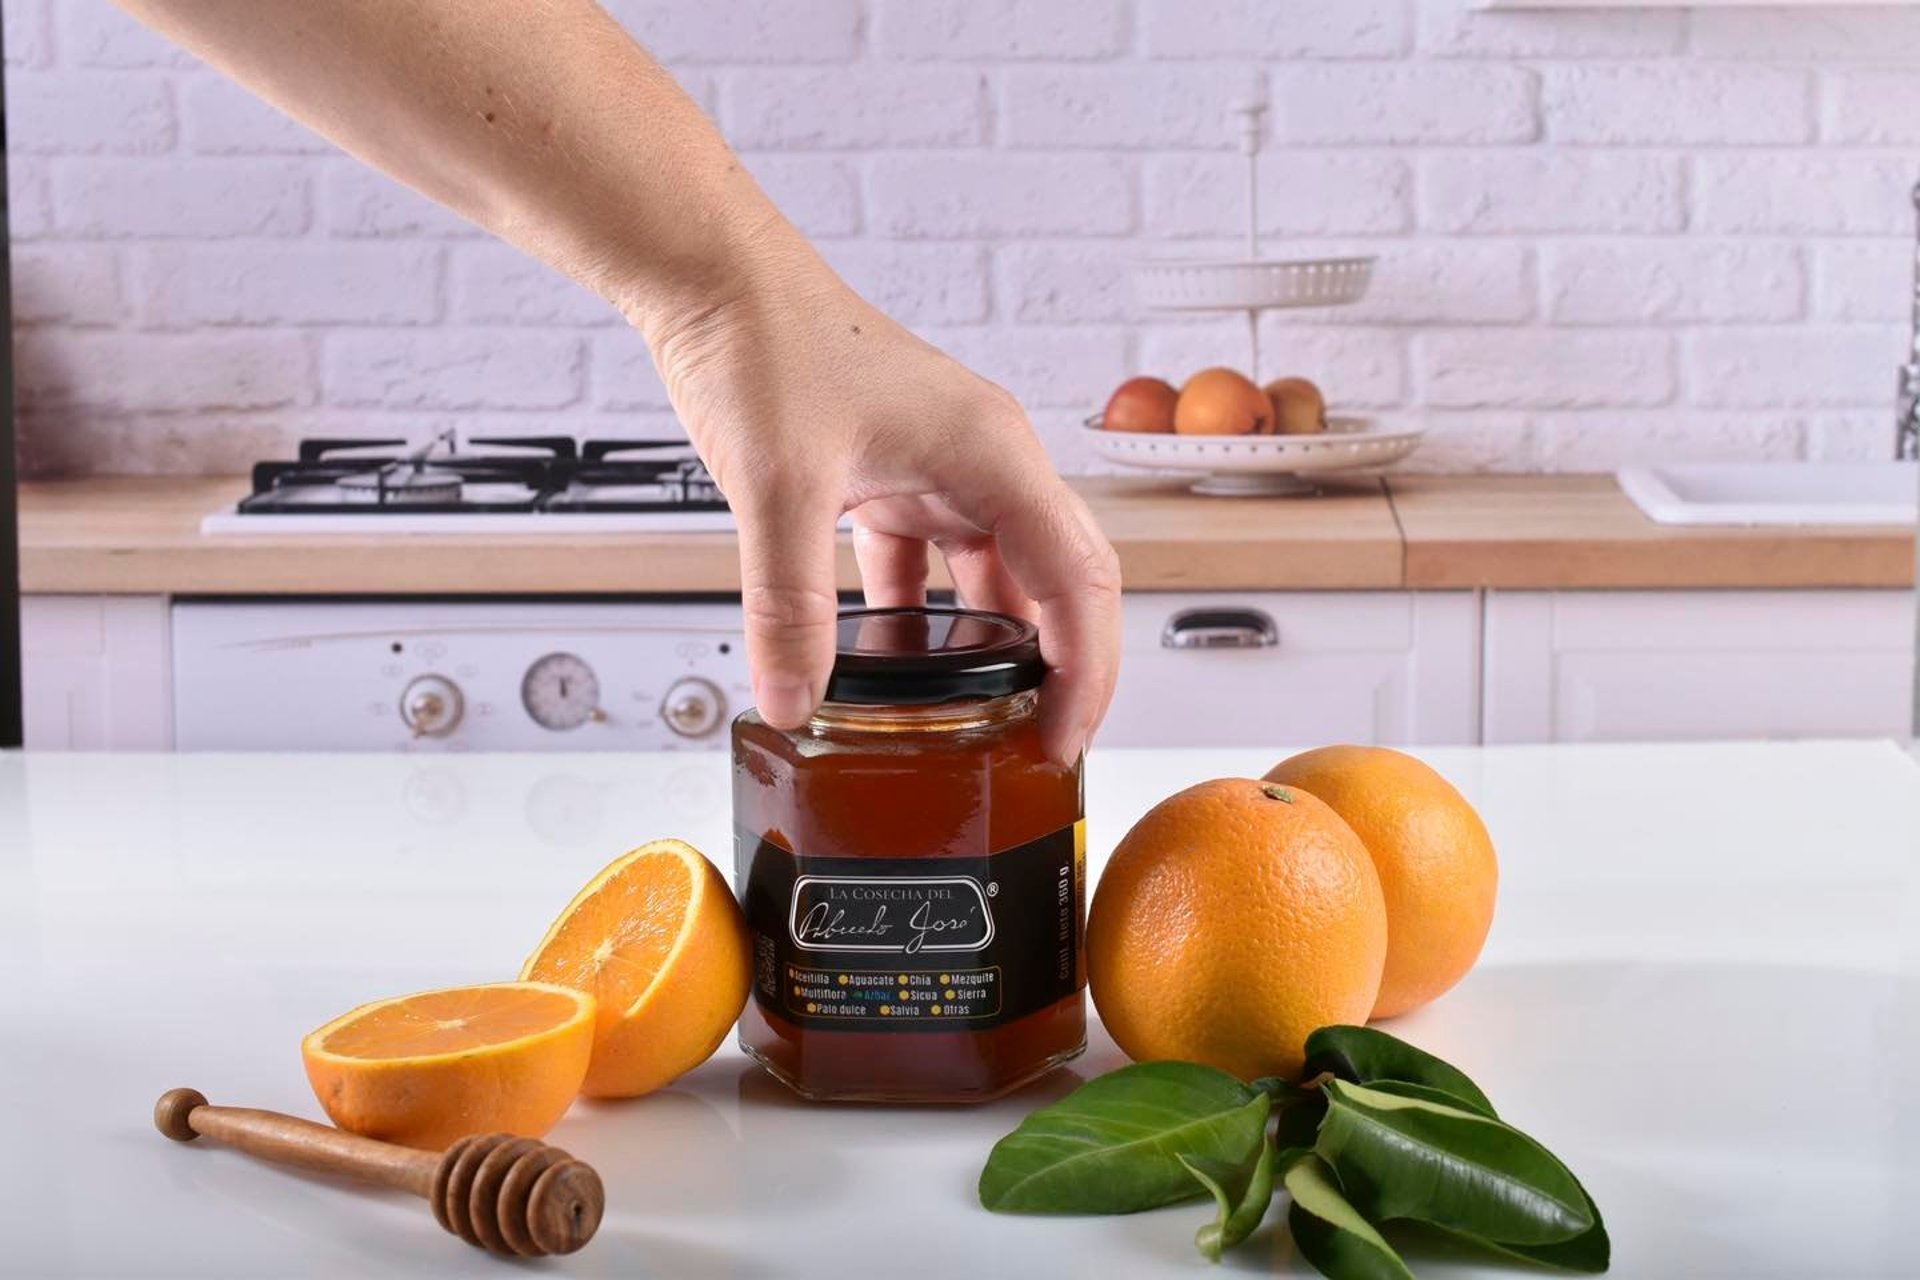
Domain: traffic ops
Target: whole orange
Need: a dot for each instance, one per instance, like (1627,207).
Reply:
(1436,862)
(1234,919)
(1221,402)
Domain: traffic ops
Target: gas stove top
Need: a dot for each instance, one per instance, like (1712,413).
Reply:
(494,484)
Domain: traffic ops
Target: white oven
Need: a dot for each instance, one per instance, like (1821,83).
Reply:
(409,675)
(1257,669)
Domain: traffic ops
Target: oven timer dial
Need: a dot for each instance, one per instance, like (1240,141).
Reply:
(693,708)
(560,692)
(431,706)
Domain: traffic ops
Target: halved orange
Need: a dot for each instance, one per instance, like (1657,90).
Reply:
(660,943)
(428,1068)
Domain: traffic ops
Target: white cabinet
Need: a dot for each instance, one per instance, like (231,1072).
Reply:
(95,673)
(1374,666)
(1380,667)
(1611,666)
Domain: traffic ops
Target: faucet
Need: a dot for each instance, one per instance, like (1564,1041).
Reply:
(1906,427)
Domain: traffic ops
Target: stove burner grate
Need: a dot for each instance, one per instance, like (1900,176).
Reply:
(369,476)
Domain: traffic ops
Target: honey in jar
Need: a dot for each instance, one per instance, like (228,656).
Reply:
(912,867)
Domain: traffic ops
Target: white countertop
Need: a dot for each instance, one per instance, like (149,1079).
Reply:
(1702,991)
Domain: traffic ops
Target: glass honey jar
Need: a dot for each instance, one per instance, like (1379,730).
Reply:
(912,867)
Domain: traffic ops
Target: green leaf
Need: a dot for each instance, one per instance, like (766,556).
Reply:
(1329,1231)
(1423,1093)
(1114,1145)
(1298,1125)
(1364,1055)
(1242,1195)
(1279,1088)
(1297,1110)
(1411,1157)
(1589,1252)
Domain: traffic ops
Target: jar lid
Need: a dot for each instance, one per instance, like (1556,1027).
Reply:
(921,656)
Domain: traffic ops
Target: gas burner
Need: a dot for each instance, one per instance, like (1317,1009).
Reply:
(416,486)
(409,482)
(442,485)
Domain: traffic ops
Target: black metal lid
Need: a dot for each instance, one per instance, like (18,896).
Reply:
(920,656)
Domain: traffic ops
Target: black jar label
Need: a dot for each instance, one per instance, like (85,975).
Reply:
(914,944)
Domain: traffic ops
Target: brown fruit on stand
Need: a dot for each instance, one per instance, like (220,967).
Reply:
(1141,404)
(1298,407)
(1235,919)
(1221,402)
(1436,862)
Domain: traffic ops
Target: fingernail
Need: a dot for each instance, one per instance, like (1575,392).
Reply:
(785,703)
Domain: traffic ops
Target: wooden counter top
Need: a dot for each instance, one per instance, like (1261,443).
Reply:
(1170,539)
(1582,531)
(140,535)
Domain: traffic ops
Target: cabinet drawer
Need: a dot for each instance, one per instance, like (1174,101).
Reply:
(1386,667)
(1663,665)
(95,673)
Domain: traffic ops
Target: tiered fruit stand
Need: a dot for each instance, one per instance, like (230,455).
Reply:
(1254,465)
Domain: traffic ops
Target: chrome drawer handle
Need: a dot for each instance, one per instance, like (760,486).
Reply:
(1220,629)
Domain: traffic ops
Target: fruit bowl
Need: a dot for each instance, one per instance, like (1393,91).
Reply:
(1252,466)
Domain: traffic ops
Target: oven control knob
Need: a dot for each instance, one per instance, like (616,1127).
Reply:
(693,708)
(431,706)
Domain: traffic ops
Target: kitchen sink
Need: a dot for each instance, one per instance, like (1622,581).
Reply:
(1783,493)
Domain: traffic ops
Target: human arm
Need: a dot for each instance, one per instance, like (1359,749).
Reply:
(549,126)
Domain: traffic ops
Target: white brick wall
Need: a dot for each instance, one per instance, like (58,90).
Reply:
(495,284)
(452,369)
(1602,235)
(1543,368)
(160,198)
(1570,191)
(1678,104)
(1848,276)
(803,110)
(1650,281)
(1239,29)
(75,286)
(996,30)
(1342,192)
(193,285)
(93,113)
(1873,108)
(1772,368)
(1413,103)
(184,373)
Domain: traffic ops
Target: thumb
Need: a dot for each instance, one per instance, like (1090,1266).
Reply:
(787,593)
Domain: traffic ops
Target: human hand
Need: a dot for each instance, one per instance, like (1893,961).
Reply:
(807,403)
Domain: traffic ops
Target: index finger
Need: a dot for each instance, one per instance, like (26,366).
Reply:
(1050,543)
(787,596)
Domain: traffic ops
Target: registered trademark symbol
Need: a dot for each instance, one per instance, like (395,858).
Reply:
(993,888)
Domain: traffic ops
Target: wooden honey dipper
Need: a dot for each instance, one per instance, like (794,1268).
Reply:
(516,1197)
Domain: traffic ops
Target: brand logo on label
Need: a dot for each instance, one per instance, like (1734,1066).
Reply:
(904,915)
